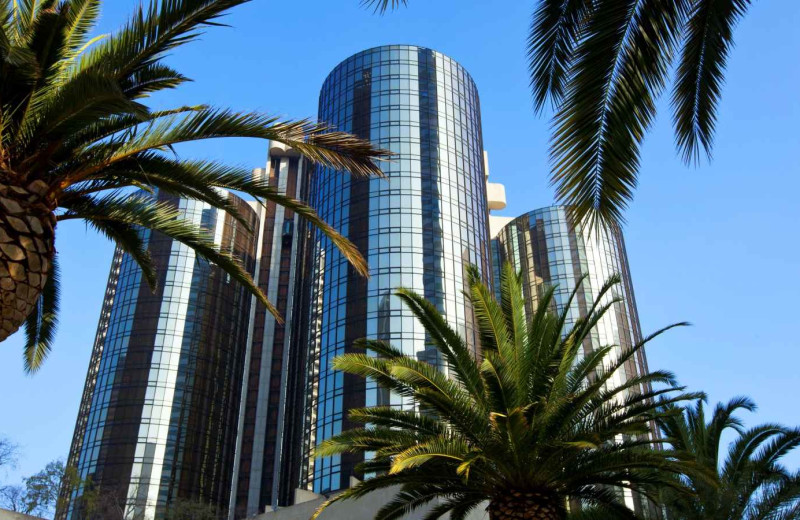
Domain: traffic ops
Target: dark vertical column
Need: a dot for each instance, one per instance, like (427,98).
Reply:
(254,375)
(292,442)
(432,235)
(278,357)
(576,246)
(356,326)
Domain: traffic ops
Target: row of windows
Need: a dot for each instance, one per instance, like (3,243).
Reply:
(446,204)
(452,81)
(428,80)
(418,96)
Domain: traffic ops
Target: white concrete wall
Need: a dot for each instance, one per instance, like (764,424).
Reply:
(362,509)
(5,514)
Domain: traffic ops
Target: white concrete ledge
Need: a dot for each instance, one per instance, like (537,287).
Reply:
(361,509)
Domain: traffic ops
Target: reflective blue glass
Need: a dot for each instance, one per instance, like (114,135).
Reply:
(549,250)
(419,227)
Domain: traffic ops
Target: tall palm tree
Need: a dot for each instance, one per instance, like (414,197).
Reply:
(526,425)
(75,134)
(601,65)
(750,483)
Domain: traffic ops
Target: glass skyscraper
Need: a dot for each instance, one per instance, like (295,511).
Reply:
(550,250)
(266,387)
(197,392)
(158,417)
(419,227)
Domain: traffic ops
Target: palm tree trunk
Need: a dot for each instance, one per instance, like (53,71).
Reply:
(27,245)
(526,505)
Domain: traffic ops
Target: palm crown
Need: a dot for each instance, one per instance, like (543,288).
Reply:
(525,425)
(75,131)
(750,483)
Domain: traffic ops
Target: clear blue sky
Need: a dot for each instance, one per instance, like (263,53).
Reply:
(716,245)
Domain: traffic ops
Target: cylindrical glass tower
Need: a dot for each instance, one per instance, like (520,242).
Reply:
(549,250)
(419,228)
(157,421)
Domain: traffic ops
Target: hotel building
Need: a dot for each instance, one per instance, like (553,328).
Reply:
(197,392)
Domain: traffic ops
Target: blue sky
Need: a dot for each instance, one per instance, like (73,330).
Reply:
(716,245)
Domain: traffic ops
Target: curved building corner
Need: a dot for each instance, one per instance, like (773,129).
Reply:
(419,227)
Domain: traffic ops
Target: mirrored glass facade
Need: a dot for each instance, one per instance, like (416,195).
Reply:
(419,227)
(549,250)
(158,417)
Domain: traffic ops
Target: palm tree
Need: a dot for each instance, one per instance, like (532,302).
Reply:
(601,65)
(527,425)
(750,482)
(75,136)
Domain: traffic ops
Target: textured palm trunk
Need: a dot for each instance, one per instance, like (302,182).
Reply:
(526,505)
(27,225)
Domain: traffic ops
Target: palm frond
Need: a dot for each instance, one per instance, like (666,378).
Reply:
(25,14)
(450,448)
(491,322)
(152,78)
(393,418)
(779,501)
(620,67)
(374,368)
(556,29)
(125,234)
(153,31)
(457,355)
(334,149)
(698,85)
(375,439)
(81,18)
(118,124)
(382,6)
(56,113)
(162,217)
(382,348)
(41,324)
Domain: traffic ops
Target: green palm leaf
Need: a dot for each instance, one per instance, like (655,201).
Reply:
(698,86)
(749,483)
(41,324)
